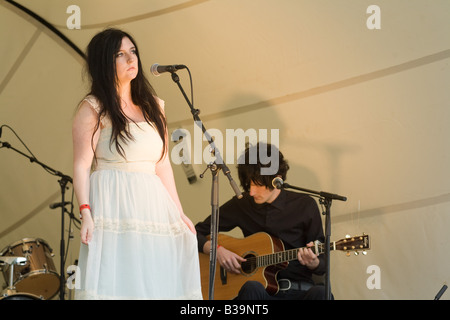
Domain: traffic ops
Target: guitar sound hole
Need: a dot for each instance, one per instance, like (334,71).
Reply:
(249,266)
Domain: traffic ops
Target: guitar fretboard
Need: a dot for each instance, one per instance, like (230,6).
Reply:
(279,257)
(276,258)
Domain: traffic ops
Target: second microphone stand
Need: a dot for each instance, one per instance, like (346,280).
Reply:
(326,199)
(64,180)
(215,167)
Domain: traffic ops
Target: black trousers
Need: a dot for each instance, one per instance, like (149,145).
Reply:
(253,290)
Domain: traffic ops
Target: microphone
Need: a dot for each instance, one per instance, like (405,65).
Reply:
(58,204)
(156,69)
(277,183)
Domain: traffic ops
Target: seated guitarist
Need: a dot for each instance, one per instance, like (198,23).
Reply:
(290,216)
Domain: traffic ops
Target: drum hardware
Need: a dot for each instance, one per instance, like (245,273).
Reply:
(27,249)
(36,274)
(21,261)
(10,293)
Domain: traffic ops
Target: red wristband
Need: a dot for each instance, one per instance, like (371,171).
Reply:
(84,206)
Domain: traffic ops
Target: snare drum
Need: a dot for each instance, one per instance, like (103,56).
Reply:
(38,276)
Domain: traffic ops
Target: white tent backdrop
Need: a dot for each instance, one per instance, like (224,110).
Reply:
(360,112)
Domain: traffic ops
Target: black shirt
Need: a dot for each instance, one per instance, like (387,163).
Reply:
(292,217)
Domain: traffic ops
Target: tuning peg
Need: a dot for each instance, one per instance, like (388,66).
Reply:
(347,236)
(347,253)
(356,253)
(364,252)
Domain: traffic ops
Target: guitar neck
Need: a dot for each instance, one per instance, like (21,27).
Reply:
(347,244)
(288,255)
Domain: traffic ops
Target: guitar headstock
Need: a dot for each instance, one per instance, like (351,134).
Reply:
(356,244)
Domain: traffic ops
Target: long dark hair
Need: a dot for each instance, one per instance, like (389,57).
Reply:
(101,66)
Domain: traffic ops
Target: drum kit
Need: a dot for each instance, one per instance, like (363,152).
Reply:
(28,263)
(29,270)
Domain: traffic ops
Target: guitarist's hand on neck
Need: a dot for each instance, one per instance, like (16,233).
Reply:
(308,258)
(230,261)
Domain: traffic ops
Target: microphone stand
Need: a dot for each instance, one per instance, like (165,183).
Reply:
(64,179)
(215,167)
(326,199)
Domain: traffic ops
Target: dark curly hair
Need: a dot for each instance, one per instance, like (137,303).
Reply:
(260,164)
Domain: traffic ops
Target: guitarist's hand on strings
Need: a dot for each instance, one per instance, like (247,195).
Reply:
(230,261)
(308,258)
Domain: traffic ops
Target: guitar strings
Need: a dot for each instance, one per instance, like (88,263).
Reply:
(270,259)
(254,262)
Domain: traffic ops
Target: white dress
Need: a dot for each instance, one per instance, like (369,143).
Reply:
(141,249)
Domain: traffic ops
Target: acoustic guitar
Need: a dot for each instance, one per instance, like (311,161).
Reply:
(265,257)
